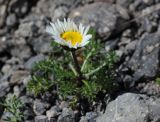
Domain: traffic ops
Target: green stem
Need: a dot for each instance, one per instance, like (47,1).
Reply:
(95,70)
(73,69)
(79,81)
(85,61)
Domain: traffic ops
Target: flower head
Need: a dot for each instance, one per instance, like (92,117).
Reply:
(67,33)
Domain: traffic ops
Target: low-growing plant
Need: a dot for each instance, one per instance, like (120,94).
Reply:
(75,70)
(14,106)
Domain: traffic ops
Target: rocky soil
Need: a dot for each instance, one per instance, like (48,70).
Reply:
(130,27)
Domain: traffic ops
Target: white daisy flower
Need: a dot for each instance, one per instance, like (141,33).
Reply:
(67,33)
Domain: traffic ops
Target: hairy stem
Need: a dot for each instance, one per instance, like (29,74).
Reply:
(73,69)
(85,61)
(77,67)
(95,70)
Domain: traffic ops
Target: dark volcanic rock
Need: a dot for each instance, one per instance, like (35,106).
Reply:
(131,107)
(145,60)
(105,18)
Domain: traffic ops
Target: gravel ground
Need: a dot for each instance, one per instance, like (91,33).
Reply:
(131,28)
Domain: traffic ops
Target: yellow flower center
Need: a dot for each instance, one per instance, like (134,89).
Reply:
(73,36)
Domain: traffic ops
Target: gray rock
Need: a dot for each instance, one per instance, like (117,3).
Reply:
(12,65)
(5,116)
(145,60)
(14,61)
(41,44)
(64,104)
(4,88)
(149,88)
(130,47)
(35,32)
(26,100)
(131,107)
(83,119)
(44,8)
(66,116)
(107,1)
(3,44)
(52,120)
(119,53)
(67,3)
(91,116)
(124,3)
(39,107)
(29,121)
(148,2)
(53,112)
(18,76)
(148,25)
(105,18)
(16,91)
(33,60)
(41,118)
(6,69)
(1,2)
(60,13)
(24,29)
(28,114)
(21,51)
(11,20)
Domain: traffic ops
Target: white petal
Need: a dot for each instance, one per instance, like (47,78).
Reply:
(49,30)
(87,37)
(60,26)
(54,28)
(58,40)
(86,30)
(85,43)
(85,40)
(81,28)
